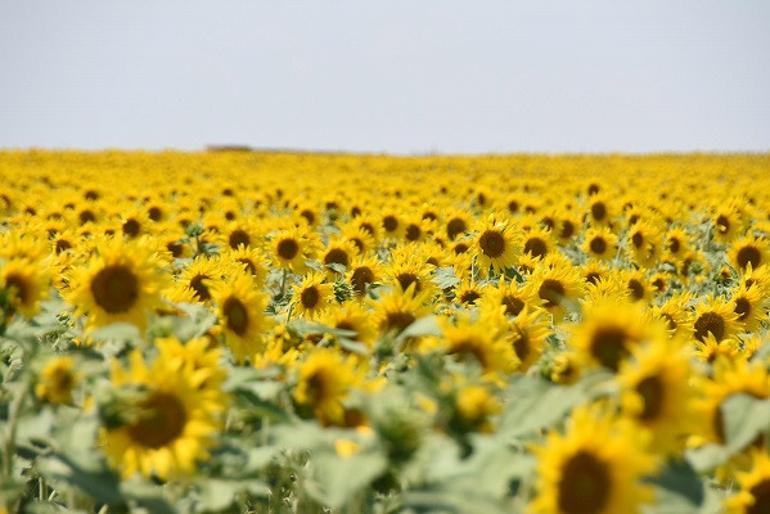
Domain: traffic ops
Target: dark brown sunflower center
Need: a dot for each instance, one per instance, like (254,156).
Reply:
(674,245)
(513,305)
(287,249)
(248,265)
(469,297)
(593,277)
(598,245)
(337,256)
(598,211)
(470,348)
(162,420)
(761,494)
(552,291)
(652,391)
(175,248)
(318,386)
(637,239)
(709,322)
(390,223)
(584,487)
(522,346)
(567,229)
(492,243)
(200,288)
(62,245)
(360,278)
(608,346)
(742,308)
(155,213)
(455,227)
(398,320)
(309,297)
(535,247)
(723,224)
(413,232)
(238,238)
(636,289)
(131,228)
(237,315)
(406,279)
(115,289)
(20,285)
(749,254)
(460,248)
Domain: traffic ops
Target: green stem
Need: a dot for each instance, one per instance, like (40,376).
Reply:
(13,422)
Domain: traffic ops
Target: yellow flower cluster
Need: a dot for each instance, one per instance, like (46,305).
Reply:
(341,277)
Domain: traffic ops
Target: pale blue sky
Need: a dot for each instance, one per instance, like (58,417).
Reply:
(395,76)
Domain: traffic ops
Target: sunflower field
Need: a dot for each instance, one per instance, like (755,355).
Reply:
(270,332)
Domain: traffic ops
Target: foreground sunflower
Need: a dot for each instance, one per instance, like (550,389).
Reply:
(241,311)
(324,380)
(656,391)
(597,467)
(121,283)
(754,494)
(496,245)
(166,428)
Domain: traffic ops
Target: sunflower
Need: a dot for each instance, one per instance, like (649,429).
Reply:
(250,260)
(673,312)
(749,305)
(354,317)
(240,234)
(241,313)
(642,245)
(475,405)
(637,285)
(456,224)
(325,378)
(496,245)
(599,211)
(754,494)
(26,283)
(676,245)
(312,295)
(194,283)
(408,268)
(167,427)
(600,243)
(395,310)
(726,223)
(57,380)
(749,251)
(715,316)
(362,240)
(290,248)
(363,272)
(558,287)
(610,331)
(468,293)
(339,252)
(508,295)
(530,330)
(481,340)
(538,242)
(597,467)
(657,393)
(120,283)
(730,377)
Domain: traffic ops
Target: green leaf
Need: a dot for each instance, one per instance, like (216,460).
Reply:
(679,488)
(534,403)
(101,484)
(445,278)
(338,479)
(218,494)
(707,457)
(425,326)
(122,332)
(745,417)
